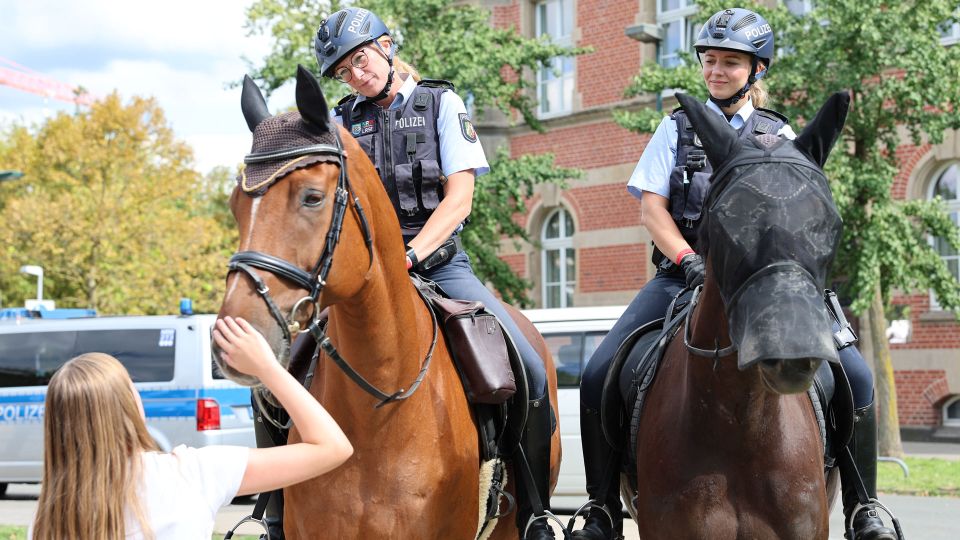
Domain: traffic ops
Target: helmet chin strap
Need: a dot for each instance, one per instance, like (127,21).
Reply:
(386,88)
(723,103)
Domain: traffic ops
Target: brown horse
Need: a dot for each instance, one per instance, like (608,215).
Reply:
(728,445)
(415,470)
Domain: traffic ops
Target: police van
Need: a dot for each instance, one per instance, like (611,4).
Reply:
(572,335)
(185,398)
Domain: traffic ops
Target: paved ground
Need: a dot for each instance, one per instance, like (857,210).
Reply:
(928,518)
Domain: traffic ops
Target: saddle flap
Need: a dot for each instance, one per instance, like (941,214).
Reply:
(611,402)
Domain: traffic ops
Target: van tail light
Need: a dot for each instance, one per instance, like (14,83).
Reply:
(208,414)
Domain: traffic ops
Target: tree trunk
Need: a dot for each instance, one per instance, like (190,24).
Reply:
(888,420)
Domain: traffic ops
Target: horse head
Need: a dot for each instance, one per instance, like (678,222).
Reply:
(290,203)
(769,234)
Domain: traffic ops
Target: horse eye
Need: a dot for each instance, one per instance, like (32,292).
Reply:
(313,198)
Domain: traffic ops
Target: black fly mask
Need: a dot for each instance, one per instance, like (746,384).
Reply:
(770,232)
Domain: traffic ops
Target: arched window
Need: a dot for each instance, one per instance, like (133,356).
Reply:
(947,187)
(951,412)
(559,263)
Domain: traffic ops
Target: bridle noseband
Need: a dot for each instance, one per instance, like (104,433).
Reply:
(246,261)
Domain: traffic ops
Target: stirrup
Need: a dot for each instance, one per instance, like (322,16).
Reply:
(848,522)
(250,519)
(590,505)
(547,515)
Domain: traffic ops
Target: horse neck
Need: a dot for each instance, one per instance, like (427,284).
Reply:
(718,384)
(380,328)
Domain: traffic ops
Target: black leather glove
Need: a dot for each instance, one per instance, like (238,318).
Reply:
(692,266)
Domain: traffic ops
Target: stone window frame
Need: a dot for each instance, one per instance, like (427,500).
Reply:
(920,184)
(566,107)
(687,14)
(944,412)
(563,243)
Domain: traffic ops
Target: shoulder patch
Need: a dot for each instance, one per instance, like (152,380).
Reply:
(436,83)
(466,128)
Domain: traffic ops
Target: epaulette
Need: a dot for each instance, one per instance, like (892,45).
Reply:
(775,114)
(338,109)
(436,83)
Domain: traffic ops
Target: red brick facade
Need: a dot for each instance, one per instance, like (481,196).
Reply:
(590,140)
(919,396)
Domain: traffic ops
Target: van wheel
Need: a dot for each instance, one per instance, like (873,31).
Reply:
(3,490)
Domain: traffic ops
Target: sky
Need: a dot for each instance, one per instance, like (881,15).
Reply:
(181,52)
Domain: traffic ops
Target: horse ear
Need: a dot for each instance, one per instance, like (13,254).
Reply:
(252,103)
(718,138)
(310,101)
(823,131)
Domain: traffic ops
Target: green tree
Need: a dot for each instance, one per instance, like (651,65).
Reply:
(903,82)
(112,210)
(448,40)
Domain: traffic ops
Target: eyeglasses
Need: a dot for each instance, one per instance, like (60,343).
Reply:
(358,61)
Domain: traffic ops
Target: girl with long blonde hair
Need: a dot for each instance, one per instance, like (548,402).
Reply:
(105,479)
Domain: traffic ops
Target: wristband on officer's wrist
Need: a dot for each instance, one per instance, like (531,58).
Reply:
(412,257)
(683,253)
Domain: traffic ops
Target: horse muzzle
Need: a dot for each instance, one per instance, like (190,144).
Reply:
(789,376)
(779,315)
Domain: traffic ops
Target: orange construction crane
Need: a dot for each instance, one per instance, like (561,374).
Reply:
(23,78)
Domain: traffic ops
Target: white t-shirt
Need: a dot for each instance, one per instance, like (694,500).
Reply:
(183,490)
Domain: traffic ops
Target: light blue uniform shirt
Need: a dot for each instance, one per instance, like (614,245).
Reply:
(457,153)
(652,172)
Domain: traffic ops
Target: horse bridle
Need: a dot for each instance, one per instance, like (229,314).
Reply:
(316,280)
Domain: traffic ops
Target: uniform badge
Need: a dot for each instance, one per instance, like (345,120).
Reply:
(466,127)
(363,128)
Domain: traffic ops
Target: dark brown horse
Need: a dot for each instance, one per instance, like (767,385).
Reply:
(728,445)
(314,219)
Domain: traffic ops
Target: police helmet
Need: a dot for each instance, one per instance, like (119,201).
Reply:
(343,32)
(739,30)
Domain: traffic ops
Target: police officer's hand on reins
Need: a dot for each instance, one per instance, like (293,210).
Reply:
(692,266)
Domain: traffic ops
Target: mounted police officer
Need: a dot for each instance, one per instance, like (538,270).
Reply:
(420,138)
(735,49)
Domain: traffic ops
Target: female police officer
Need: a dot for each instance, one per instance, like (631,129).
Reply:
(419,136)
(735,49)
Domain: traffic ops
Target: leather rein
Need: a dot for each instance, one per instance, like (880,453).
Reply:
(316,279)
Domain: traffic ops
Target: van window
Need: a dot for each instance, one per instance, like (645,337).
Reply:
(30,359)
(571,351)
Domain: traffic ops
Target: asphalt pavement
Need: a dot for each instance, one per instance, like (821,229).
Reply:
(927,518)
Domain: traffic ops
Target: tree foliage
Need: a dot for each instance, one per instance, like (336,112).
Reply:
(448,40)
(111,208)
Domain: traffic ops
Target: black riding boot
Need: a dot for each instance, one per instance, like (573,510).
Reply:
(596,457)
(269,436)
(867,524)
(536,446)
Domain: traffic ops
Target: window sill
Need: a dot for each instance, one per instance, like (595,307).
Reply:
(938,316)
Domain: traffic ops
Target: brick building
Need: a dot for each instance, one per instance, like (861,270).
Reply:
(594,250)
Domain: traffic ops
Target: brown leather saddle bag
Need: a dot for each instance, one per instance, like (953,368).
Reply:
(479,348)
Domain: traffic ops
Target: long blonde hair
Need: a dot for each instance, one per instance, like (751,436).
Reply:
(399,65)
(758,94)
(93,436)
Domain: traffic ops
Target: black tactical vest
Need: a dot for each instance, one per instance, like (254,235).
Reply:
(690,178)
(404,146)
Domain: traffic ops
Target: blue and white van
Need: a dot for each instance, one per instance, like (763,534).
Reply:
(186,400)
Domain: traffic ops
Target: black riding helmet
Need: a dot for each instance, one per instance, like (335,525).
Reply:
(345,31)
(739,30)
